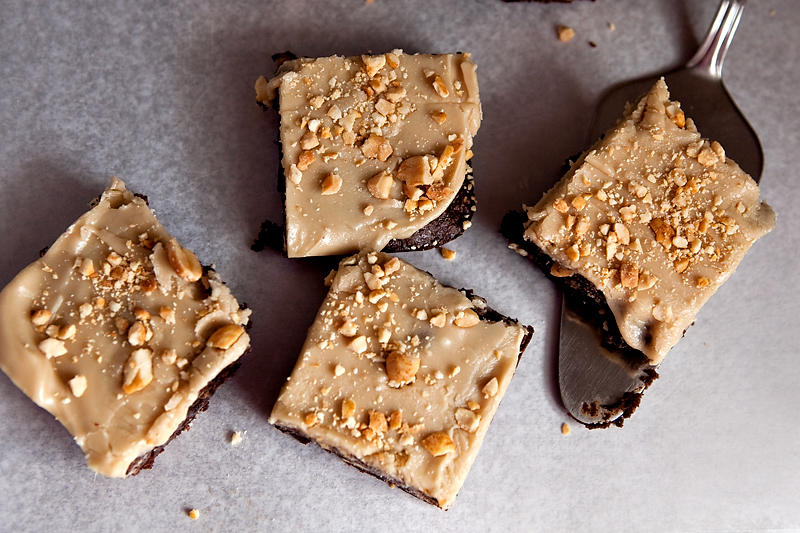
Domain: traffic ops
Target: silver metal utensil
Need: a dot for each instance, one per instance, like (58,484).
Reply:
(599,384)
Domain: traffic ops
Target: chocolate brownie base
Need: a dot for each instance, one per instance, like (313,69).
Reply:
(485,313)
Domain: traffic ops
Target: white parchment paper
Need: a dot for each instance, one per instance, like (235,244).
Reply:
(160,93)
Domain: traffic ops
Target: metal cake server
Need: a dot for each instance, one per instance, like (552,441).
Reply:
(597,386)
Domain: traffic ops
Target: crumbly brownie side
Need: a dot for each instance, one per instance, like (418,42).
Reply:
(485,313)
(587,300)
(146,461)
(450,224)
(591,305)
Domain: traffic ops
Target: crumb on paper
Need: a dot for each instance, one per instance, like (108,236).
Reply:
(448,254)
(593,44)
(612,26)
(565,33)
(194,514)
(565,429)
(236,438)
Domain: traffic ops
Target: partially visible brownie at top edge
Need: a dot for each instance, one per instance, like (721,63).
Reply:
(120,333)
(647,223)
(374,150)
(400,376)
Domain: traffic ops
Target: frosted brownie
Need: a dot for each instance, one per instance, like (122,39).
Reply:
(400,376)
(653,219)
(375,150)
(120,333)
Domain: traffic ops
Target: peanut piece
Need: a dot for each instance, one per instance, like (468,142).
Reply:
(380,185)
(331,184)
(491,388)
(305,159)
(467,420)
(348,329)
(183,262)
(377,422)
(629,275)
(40,317)
(78,385)
(439,320)
(466,318)
(138,371)
(358,344)
(395,419)
(348,408)
(52,348)
(372,64)
(225,337)
(376,147)
(401,368)
(438,443)
(137,334)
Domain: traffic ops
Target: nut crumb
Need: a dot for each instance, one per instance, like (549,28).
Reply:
(466,318)
(491,388)
(448,254)
(565,33)
(236,438)
(78,385)
(565,429)
(331,184)
(225,337)
(438,443)
(40,317)
(401,369)
(183,262)
(52,348)
(194,514)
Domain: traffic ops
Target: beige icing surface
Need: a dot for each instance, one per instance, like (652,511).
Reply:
(346,120)
(104,334)
(345,394)
(656,217)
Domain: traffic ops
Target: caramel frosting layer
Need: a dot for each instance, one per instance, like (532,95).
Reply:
(116,329)
(656,217)
(374,147)
(401,374)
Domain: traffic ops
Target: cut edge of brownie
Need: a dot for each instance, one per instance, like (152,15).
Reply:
(485,313)
(146,461)
(591,306)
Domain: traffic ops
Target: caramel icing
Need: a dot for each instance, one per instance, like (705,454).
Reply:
(374,147)
(103,333)
(399,373)
(656,217)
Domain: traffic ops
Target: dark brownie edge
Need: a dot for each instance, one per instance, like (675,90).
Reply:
(446,227)
(145,461)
